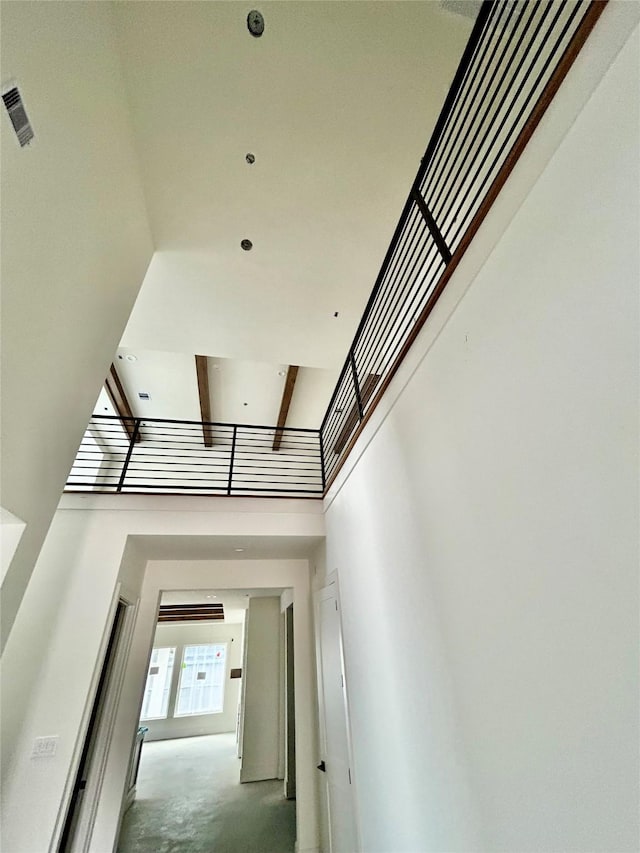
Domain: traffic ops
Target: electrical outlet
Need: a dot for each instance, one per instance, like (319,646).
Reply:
(45,747)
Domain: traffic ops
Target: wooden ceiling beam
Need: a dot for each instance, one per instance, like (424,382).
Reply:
(190,612)
(287,394)
(202,372)
(118,397)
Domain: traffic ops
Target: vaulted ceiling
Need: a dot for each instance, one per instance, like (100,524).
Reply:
(335,102)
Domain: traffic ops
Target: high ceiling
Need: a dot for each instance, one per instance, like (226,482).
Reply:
(336,101)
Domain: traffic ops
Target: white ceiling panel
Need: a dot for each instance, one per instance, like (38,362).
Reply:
(168,377)
(336,101)
(226,547)
(245,391)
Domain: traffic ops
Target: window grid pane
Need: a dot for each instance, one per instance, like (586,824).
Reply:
(156,692)
(202,676)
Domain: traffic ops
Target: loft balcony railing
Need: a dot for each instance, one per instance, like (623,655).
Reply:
(517,56)
(151,455)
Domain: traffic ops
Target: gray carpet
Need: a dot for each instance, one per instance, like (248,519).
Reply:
(190,800)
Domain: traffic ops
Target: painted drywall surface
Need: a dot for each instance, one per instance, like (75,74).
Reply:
(11,530)
(69,640)
(361,65)
(492,519)
(179,636)
(72,590)
(57,661)
(261,730)
(75,248)
(65,552)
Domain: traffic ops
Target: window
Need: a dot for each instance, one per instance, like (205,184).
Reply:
(201,689)
(156,692)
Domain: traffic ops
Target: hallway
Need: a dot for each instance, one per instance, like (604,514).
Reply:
(189,800)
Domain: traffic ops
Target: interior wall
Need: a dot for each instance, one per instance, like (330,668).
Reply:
(75,248)
(489,530)
(94,551)
(190,633)
(261,736)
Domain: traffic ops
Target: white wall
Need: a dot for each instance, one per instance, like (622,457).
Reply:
(89,557)
(489,527)
(11,530)
(75,248)
(261,735)
(193,633)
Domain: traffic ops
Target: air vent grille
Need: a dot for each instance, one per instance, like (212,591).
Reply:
(18,115)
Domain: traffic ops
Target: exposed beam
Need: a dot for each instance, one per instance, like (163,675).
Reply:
(202,372)
(190,612)
(352,420)
(287,394)
(119,401)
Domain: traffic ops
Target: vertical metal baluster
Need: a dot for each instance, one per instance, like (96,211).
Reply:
(324,477)
(132,441)
(356,384)
(233,453)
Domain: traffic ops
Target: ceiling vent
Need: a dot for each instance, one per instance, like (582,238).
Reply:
(144,395)
(18,115)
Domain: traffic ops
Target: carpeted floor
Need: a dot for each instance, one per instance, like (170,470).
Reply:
(190,800)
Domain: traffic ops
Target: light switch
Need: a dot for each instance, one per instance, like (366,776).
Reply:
(45,747)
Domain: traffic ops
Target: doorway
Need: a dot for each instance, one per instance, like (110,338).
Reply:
(195,789)
(335,764)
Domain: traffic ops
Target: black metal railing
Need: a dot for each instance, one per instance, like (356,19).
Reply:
(518,53)
(506,72)
(151,455)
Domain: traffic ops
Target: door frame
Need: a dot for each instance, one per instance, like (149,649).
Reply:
(105,726)
(331,589)
(290,706)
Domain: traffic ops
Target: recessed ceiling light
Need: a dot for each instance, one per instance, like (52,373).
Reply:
(238,550)
(131,357)
(247,245)
(255,23)
(211,596)
(281,372)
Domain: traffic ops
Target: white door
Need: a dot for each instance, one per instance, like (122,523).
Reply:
(334,730)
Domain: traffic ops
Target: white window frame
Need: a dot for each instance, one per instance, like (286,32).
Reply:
(176,713)
(167,686)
